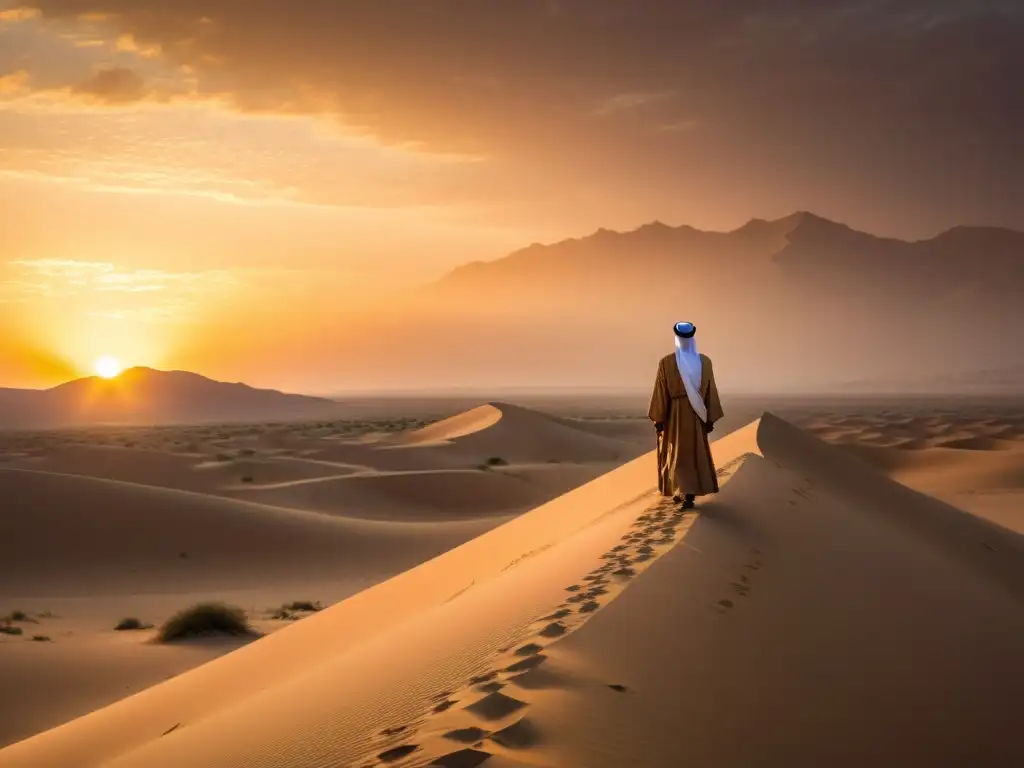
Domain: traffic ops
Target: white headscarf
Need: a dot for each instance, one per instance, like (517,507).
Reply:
(688,362)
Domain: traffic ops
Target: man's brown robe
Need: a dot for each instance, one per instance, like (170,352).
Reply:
(684,455)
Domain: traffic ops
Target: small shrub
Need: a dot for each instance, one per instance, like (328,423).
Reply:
(303,605)
(247,479)
(204,619)
(9,629)
(131,623)
(17,616)
(40,639)
(496,461)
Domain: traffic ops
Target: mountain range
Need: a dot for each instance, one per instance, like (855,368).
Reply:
(800,303)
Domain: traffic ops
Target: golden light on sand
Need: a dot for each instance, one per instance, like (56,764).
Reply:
(107,367)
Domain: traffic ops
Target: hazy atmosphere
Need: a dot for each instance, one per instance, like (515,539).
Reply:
(249,189)
(505,383)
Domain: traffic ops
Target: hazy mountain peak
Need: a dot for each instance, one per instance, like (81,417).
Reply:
(144,395)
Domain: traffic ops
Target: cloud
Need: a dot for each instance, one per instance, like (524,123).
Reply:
(116,85)
(624,102)
(113,292)
(875,92)
(14,15)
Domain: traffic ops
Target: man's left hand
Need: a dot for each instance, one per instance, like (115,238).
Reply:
(711,426)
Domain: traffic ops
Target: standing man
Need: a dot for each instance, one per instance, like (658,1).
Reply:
(684,409)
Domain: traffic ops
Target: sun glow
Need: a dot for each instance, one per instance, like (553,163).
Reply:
(107,367)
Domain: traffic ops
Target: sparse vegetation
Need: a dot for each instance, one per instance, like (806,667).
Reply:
(131,623)
(303,605)
(203,620)
(17,616)
(290,611)
(40,638)
(247,479)
(10,629)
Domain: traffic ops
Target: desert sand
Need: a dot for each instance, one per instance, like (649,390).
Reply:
(969,453)
(815,612)
(114,522)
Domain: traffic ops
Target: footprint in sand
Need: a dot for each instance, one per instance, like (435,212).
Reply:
(741,589)
(467,735)
(489,687)
(464,758)
(495,706)
(554,629)
(485,677)
(618,688)
(393,731)
(528,663)
(590,606)
(529,649)
(726,603)
(397,753)
(573,588)
(444,706)
(559,614)
(520,735)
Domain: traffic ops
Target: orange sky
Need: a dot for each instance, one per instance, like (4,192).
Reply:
(207,184)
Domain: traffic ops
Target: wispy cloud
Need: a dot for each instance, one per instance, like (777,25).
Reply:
(103,289)
(625,102)
(14,15)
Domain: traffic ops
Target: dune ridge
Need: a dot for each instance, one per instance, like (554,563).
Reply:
(514,640)
(118,536)
(970,456)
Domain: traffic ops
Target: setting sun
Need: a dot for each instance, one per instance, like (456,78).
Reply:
(107,367)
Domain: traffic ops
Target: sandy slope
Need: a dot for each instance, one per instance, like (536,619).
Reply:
(815,613)
(86,553)
(114,523)
(971,456)
(518,434)
(493,460)
(87,536)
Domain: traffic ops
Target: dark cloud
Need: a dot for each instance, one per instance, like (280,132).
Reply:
(911,104)
(116,85)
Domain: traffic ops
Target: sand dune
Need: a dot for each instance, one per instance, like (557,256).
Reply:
(814,613)
(428,494)
(113,523)
(517,434)
(492,461)
(117,537)
(971,457)
(474,420)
